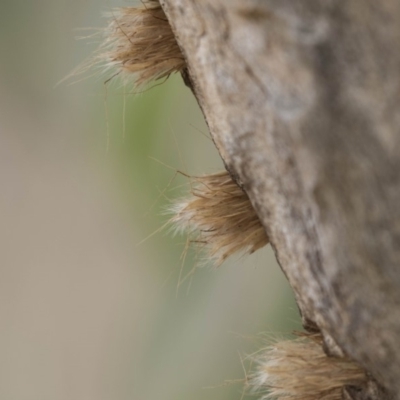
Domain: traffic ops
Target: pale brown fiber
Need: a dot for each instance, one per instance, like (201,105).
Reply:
(300,370)
(140,43)
(219,218)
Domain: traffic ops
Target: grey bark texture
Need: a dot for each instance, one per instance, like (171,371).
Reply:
(302,98)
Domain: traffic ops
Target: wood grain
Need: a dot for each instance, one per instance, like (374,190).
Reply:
(302,99)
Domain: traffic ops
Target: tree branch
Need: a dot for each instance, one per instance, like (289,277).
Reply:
(303,102)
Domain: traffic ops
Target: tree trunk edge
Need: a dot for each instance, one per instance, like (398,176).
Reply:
(290,125)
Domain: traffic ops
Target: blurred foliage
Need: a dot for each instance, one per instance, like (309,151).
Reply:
(156,340)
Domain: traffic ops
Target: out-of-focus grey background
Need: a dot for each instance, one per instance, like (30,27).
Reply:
(86,312)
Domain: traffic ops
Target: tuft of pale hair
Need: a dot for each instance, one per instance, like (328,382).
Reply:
(300,370)
(140,42)
(219,218)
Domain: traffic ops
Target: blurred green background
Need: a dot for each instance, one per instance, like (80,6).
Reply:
(86,312)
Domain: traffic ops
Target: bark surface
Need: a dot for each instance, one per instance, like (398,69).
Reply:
(302,99)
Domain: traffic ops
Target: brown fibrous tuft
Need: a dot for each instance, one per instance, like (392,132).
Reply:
(300,370)
(219,218)
(139,41)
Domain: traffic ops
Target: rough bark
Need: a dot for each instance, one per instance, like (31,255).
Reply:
(302,99)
